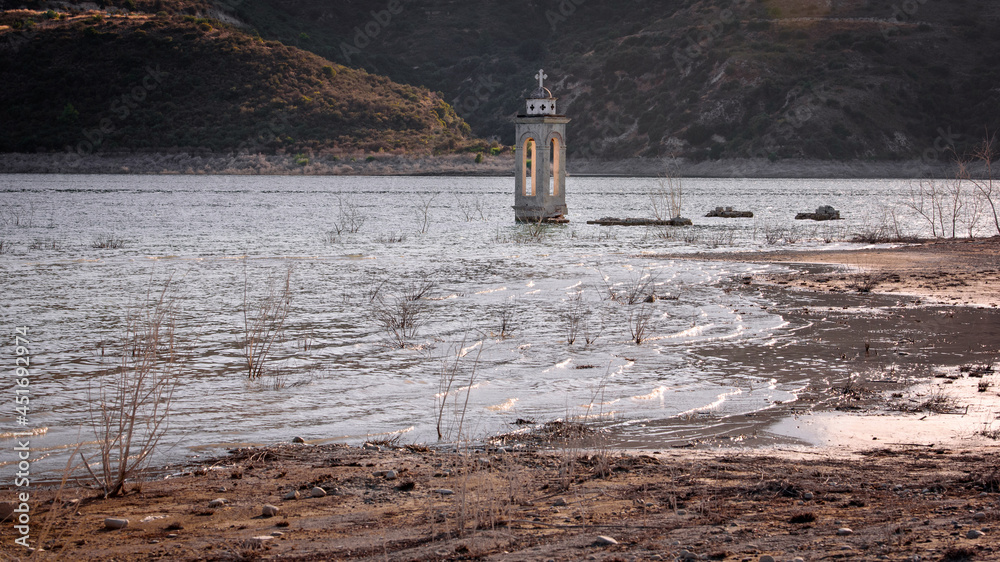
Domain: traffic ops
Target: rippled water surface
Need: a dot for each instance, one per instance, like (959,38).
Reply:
(505,298)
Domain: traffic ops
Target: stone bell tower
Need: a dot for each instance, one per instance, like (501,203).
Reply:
(540,159)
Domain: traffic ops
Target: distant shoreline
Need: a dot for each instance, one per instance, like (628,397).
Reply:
(189,163)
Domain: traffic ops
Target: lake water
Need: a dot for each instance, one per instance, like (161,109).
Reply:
(335,373)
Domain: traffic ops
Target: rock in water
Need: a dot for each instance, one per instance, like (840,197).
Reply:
(823,213)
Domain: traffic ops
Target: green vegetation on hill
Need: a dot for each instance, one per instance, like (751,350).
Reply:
(99,82)
(856,79)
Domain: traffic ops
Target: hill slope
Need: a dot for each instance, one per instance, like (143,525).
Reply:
(830,79)
(158,82)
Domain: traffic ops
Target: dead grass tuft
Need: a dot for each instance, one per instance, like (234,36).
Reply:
(802,518)
(959,554)
(549,434)
(936,403)
(775,488)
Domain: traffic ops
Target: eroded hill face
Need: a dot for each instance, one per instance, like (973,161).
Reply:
(828,79)
(832,79)
(87,83)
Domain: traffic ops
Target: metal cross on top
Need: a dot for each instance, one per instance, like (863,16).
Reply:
(541,76)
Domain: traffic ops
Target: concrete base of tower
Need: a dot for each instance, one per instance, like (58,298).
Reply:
(547,214)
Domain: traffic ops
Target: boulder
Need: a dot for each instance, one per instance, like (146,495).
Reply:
(604,540)
(729,213)
(823,213)
(115,523)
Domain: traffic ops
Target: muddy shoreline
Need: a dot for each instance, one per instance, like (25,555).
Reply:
(962,271)
(383,502)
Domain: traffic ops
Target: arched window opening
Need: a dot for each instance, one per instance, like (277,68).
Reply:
(528,172)
(554,166)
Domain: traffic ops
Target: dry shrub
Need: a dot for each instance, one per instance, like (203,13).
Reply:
(130,415)
(865,282)
(988,480)
(937,403)
(263,322)
(349,219)
(959,554)
(775,488)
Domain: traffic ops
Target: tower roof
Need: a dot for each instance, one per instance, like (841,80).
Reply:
(540,101)
(541,93)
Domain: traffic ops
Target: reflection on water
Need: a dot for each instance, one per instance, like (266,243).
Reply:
(507,302)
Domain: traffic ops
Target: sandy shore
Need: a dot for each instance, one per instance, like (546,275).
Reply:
(892,472)
(945,271)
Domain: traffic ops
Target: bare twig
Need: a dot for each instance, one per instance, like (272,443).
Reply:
(263,322)
(130,416)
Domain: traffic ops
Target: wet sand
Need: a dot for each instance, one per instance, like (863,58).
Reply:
(894,455)
(946,271)
(860,355)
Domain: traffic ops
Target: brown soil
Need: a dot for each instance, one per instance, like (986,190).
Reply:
(531,505)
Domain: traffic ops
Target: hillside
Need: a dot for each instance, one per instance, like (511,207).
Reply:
(826,79)
(793,80)
(100,83)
